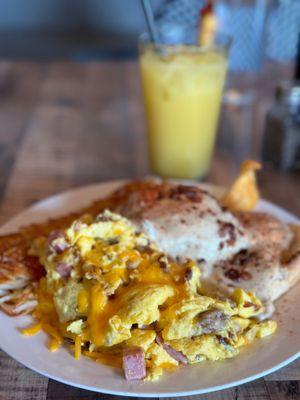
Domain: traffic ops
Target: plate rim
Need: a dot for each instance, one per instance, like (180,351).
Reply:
(164,394)
(4,228)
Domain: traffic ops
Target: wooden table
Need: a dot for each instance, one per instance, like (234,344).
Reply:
(64,125)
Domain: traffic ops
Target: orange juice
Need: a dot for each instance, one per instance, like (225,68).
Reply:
(182,95)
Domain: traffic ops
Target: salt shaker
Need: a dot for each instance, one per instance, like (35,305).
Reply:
(281,143)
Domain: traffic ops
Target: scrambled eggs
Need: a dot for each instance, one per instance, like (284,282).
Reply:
(108,289)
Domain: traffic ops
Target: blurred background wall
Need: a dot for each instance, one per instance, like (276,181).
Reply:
(70,28)
(100,29)
(60,15)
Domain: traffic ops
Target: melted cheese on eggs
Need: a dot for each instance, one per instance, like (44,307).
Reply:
(117,290)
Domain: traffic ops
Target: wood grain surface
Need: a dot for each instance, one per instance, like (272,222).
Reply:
(63,125)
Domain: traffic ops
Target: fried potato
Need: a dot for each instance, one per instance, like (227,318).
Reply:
(243,193)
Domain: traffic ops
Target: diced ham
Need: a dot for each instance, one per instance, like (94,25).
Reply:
(177,355)
(60,245)
(146,327)
(57,242)
(54,235)
(134,364)
(78,225)
(64,269)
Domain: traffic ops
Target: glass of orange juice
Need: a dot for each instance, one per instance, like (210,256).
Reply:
(182,86)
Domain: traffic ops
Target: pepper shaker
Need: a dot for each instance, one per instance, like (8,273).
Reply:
(281,145)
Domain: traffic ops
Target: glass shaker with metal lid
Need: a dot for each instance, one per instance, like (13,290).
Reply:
(281,144)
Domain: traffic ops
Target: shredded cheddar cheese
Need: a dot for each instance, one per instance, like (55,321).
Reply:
(83,301)
(52,332)
(32,330)
(77,350)
(54,344)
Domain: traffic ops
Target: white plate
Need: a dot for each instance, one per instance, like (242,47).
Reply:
(261,358)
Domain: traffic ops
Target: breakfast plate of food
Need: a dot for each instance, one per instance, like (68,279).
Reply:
(152,288)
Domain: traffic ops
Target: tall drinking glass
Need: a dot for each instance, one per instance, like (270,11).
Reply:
(182,85)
